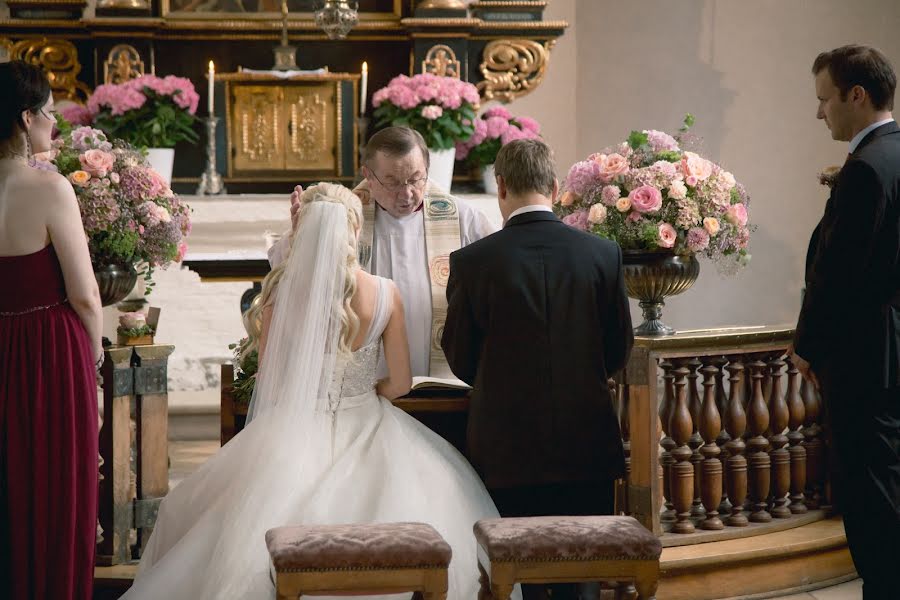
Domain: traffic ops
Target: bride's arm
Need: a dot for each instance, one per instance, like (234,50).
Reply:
(396,354)
(264,333)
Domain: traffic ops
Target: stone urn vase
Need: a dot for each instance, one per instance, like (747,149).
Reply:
(650,278)
(115,281)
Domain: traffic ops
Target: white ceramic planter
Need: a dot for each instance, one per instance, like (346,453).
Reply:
(489,180)
(162,159)
(440,171)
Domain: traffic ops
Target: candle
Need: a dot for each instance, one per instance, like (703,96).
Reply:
(211,76)
(362,88)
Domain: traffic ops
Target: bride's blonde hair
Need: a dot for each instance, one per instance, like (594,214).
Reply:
(322,192)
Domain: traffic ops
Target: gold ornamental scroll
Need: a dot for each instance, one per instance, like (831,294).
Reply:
(513,68)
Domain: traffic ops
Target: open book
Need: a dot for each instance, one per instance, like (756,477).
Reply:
(436,383)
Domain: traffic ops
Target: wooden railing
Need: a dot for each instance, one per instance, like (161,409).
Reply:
(719,432)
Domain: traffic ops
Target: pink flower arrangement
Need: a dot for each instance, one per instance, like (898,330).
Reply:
(656,196)
(129,212)
(149,111)
(495,128)
(442,109)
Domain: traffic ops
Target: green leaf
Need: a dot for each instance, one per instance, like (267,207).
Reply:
(637,139)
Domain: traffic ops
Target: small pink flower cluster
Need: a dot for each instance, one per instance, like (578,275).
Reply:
(426,89)
(119,98)
(648,194)
(129,212)
(495,128)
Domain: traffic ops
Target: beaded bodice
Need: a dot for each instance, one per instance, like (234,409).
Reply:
(356,374)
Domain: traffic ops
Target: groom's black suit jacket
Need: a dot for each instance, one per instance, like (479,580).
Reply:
(850,320)
(537,321)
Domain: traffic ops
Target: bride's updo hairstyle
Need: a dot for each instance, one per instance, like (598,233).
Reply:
(321,192)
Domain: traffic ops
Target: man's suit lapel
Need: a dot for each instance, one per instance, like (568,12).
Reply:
(531,217)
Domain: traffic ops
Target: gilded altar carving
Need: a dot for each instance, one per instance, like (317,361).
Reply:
(258,116)
(441,61)
(513,68)
(122,64)
(307,127)
(59,60)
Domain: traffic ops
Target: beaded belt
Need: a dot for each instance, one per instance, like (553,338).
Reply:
(31,310)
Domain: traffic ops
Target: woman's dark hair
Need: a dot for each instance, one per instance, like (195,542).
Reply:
(25,87)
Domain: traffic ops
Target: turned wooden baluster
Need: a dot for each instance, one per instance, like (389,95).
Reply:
(694,405)
(710,426)
(780,457)
(668,444)
(757,445)
(682,470)
(722,438)
(797,452)
(736,423)
(815,450)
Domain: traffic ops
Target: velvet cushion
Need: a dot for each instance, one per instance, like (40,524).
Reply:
(566,538)
(356,547)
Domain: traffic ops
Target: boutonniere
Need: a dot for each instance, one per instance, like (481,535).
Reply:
(828,176)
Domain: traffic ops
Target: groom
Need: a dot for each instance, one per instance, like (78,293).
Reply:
(847,340)
(537,321)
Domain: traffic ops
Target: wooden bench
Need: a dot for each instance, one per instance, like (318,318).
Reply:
(352,560)
(566,550)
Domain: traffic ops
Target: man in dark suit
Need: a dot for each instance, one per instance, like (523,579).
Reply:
(537,321)
(848,332)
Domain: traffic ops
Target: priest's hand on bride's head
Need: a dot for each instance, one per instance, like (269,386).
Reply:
(295,207)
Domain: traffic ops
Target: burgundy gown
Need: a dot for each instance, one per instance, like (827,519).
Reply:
(48,436)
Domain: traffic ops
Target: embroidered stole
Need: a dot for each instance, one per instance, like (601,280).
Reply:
(442,236)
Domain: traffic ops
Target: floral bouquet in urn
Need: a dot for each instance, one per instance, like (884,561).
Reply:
(129,212)
(651,195)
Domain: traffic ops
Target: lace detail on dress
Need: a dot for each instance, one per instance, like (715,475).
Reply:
(358,374)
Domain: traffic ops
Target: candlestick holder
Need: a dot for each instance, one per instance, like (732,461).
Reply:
(211,182)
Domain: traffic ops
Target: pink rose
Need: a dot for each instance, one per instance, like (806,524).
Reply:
(132,320)
(567,199)
(667,235)
(646,198)
(623,205)
(97,162)
(693,165)
(182,250)
(737,214)
(691,180)
(578,220)
(613,166)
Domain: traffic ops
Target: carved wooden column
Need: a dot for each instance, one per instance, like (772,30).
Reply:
(682,470)
(115,508)
(736,423)
(694,443)
(666,461)
(797,452)
(815,451)
(152,436)
(722,438)
(710,426)
(760,464)
(780,457)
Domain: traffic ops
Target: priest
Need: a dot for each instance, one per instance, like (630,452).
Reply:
(410,227)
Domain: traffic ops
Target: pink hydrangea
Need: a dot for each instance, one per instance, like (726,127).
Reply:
(529,124)
(583,177)
(496,126)
(497,111)
(514,133)
(432,112)
(660,141)
(77,114)
(119,99)
(578,220)
(87,138)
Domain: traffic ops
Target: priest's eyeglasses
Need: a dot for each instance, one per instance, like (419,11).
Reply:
(396,188)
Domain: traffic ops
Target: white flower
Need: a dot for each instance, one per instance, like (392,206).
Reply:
(677,190)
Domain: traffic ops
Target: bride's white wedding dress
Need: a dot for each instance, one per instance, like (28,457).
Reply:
(363,461)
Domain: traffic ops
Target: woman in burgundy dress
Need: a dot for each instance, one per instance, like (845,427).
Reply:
(50,323)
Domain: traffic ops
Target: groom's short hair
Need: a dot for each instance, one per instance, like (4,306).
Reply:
(526,166)
(865,66)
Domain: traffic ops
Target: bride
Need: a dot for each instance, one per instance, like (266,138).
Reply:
(324,445)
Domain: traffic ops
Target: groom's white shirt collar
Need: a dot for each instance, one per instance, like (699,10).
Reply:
(859,136)
(528,209)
